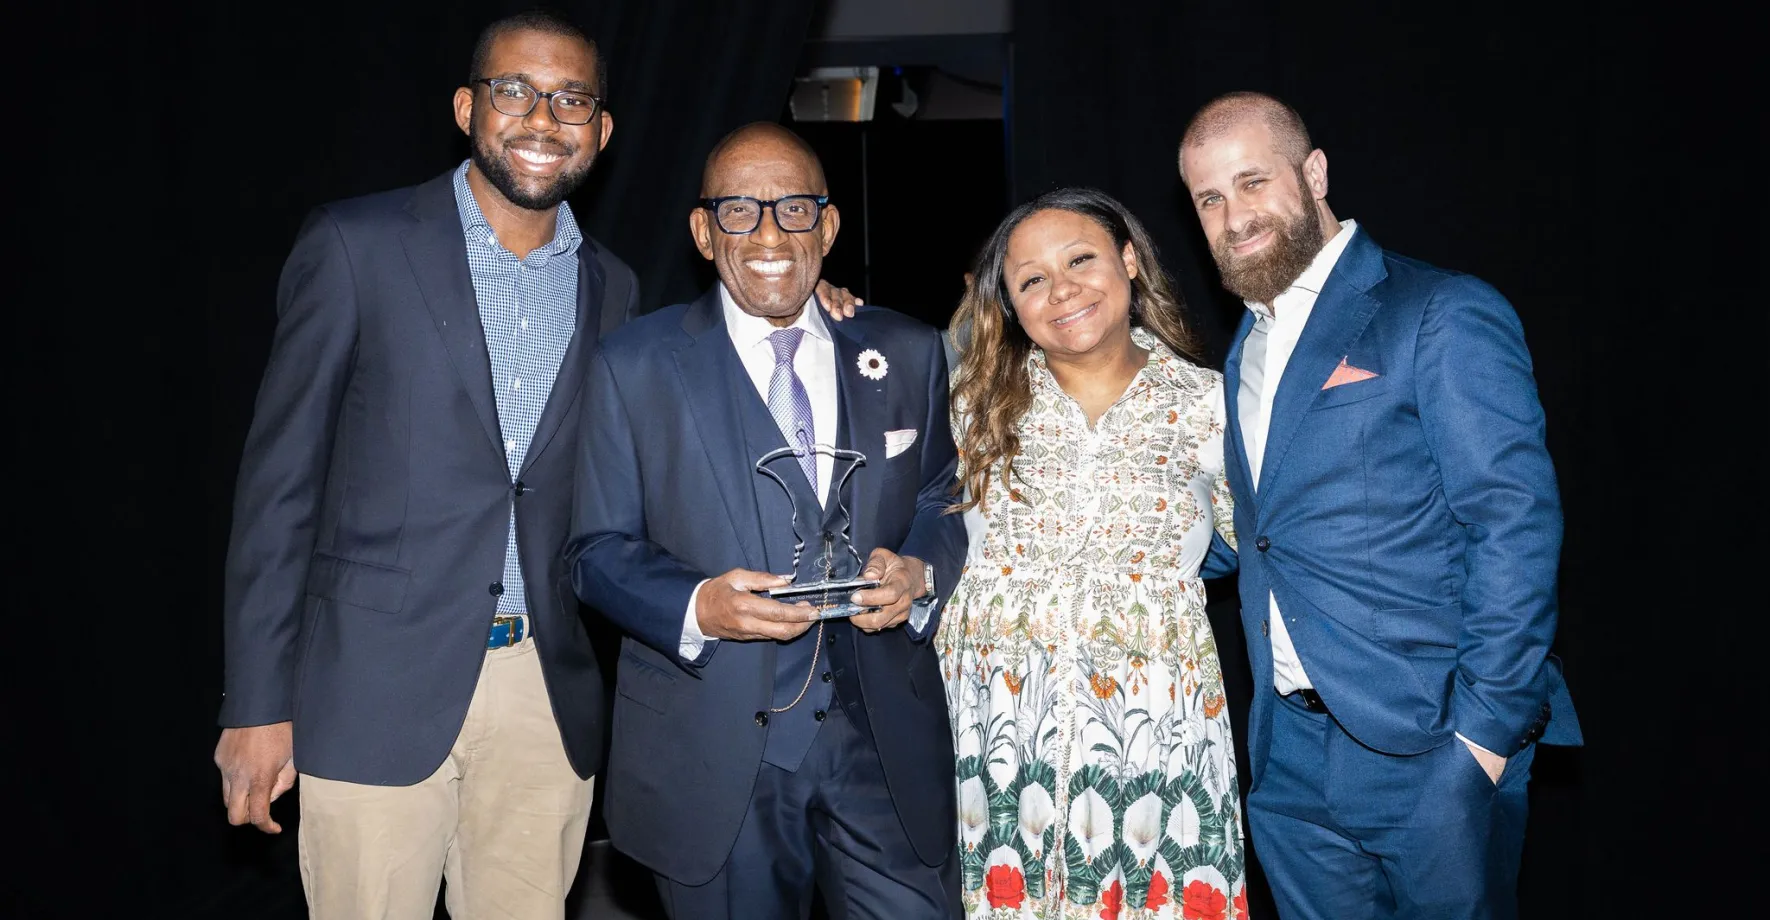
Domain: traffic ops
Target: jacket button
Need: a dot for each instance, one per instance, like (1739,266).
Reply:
(1262,544)
(819,715)
(761,718)
(520,488)
(827,677)
(830,639)
(495,589)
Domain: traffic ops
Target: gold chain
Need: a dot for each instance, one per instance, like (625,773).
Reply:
(816,647)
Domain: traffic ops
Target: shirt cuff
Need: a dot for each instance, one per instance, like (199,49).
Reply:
(920,614)
(1477,746)
(694,642)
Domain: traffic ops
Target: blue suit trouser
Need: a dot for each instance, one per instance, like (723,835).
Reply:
(829,825)
(1345,832)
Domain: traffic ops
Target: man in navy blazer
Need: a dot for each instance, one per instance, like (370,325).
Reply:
(399,626)
(1400,535)
(758,755)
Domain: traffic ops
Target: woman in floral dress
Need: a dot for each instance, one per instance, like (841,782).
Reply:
(1096,774)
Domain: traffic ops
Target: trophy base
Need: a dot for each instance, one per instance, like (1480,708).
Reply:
(830,599)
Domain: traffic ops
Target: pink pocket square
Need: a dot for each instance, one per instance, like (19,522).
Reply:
(1345,374)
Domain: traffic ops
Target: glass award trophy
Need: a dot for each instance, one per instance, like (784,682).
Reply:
(838,565)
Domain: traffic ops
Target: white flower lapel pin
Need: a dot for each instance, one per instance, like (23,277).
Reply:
(873,365)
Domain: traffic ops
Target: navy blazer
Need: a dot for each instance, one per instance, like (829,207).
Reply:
(1409,524)
(373,502)
(673,501)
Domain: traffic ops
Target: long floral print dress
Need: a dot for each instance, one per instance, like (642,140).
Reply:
(1096,775)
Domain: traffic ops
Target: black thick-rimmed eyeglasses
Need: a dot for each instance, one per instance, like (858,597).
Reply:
(517,99)
(740,214)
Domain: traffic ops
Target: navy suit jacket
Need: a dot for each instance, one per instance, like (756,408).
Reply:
(673,501)
(1409,524)
(373,501)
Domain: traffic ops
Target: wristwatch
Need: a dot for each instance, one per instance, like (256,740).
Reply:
(927,579)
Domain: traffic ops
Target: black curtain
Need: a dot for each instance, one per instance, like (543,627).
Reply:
(187,143)
(1576,158)
(686,72)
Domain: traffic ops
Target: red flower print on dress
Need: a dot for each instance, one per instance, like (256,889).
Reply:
(1158,892)
(1241,905)
(1200,901)
(1004,886)
(1114,900)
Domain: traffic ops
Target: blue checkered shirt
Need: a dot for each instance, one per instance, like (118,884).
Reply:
(529,309)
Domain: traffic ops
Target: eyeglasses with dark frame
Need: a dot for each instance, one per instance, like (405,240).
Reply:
(517,99)
(741,214)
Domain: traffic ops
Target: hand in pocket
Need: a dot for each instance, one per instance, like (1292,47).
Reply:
(1492,764)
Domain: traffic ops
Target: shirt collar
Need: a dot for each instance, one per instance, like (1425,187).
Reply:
(748,331)
(566,235)
(1315,277)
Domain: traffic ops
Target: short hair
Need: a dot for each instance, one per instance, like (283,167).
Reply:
(1289,135)
(540,20)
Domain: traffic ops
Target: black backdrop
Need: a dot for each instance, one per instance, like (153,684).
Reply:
(1597,166)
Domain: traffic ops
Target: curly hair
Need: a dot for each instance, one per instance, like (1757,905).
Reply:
(992,388)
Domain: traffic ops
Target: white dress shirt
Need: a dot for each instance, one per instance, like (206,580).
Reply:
(815,363)
(1263,358)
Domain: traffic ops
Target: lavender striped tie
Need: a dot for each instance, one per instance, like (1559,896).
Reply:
(789,403)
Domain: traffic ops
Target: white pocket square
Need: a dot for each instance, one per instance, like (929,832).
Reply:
(896,442)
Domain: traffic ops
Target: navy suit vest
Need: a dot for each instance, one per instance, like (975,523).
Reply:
(791,733)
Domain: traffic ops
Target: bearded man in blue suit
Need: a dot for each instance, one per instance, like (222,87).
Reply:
(1400,533)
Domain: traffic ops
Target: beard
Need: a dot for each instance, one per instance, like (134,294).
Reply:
(497,170)
(1263,276)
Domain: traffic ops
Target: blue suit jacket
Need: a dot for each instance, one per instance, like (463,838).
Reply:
(1409,524)
(673,501)
(373,504)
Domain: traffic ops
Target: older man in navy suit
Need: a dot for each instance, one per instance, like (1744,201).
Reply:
(1400,535)
(759,754)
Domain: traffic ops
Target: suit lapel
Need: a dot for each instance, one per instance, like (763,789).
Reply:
(437,252)
(1341,313)
(616,288)
(707,366)
(563,397)
(1238,448)
(861,427)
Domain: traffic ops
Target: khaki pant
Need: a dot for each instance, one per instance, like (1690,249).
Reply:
(503,819)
